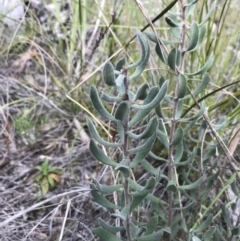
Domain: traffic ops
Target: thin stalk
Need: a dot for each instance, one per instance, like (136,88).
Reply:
(125,155)
(180,69)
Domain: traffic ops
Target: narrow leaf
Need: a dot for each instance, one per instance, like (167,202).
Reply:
(151,225)
(179,153)
(97,103)
(195,238)
(205,224)
(99,155)
(149,130)
(103,201)
(155,101)
(151,237)
(104,235)
(122,112)
(202,32)
(176,32)
(109,98)
(235,188)
(225,216)
(160,53)
(142,42)
(192,185)
(145,56)
(142,113)
(163,138)
(142,92)
(182,86)
(142,154)
(209,233)
(236,231)
(144,145)
(178,136)
(172,59)
(97,137)
(212,8)
(120,84)
(204,83)
(207,65)
(110,228)
(194,35)
(120,131)
(120,64)
(108,74)
(123,167)
(123,214)
(171,186)
(106,189)
(171,22)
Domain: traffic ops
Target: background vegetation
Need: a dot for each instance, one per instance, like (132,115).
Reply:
(47,66)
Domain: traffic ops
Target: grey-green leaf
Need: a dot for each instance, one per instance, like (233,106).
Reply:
(155,101)
(206,66)
(204,83)
(97,103)
(192,185)
(144,58)
(108,74)
(177,139)
(171,186)
(172,58)
(209,233)
(109,98)
(151,237)
(97,137)
(142,42)
(145,146)
(182,86)
(123,214)
(142,154)
(106,189)
(194,35)
(226,216)
(205,224)
(142,113)
(103,201)
(202,32)
(120,84)
(122,112)
(142,92)
(149,130)
(176,32)
(152,37)
(123,168)
(195,238)
(110,228)
(212,8)
(179,153)
(160,53)
(120,64)
(151,225)
(171,22)
(104,234)
(99,155)
(120,131)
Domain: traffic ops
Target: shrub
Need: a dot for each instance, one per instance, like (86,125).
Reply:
(178,198)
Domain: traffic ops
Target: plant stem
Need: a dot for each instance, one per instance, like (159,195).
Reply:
(125,156)
(180,69)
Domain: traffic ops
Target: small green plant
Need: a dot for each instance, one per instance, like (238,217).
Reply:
(23,123)
(47,176)
(187,168)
